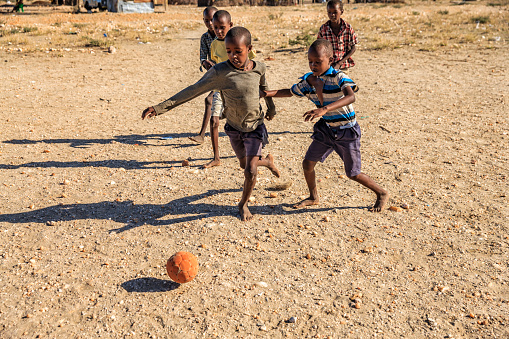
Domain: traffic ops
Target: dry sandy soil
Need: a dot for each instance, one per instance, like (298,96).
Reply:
(95,200)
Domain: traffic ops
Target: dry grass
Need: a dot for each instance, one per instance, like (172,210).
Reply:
(417,24)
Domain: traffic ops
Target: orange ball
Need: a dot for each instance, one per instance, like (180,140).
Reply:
(182,267)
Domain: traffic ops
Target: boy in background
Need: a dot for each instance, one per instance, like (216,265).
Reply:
(341,35)
(337,130)
(205,41)
(240,81)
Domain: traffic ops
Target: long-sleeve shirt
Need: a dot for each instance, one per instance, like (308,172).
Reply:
(205,41)
(240,91)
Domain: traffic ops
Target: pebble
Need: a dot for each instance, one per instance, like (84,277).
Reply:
(251,199)
(405,206)
(112,50)
(51,223)
(368,250)
(273,195)
(66,182)
(395,209)
(292,320)
(326,219)
(262,284)
(263,328)
(32,206)
(185,163)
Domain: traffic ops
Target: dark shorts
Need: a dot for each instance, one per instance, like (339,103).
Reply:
(247,144)
(345,142)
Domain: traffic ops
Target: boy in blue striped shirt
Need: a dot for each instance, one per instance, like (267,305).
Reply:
(337,130)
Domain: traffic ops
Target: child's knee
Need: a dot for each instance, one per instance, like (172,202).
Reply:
(250,173)
(308,166)
(214,122)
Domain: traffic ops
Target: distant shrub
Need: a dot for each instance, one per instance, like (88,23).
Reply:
(303,39)
(29,29)
(482,19)
(444,12)
(416,12)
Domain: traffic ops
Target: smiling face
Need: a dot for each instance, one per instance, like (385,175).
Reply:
(334,12)
(319,61)
(221,26)
(238,51)
(207,20)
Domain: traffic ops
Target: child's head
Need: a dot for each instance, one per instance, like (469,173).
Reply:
(238,45)
(208,13)
(334,10)
(320,56)
(222,22)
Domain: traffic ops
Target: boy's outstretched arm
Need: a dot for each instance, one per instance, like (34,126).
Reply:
(277,93)
(207,83)
(345,57)
(348,99)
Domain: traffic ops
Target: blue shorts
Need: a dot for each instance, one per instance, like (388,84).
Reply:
(345,142)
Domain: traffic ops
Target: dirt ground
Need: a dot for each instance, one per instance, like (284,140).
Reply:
(95,200)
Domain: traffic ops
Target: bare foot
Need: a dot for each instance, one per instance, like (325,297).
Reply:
(306,202)
(271,165)
(212,163)
(381,201)
(245,215)
(197,139)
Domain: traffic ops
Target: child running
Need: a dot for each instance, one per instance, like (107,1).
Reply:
(337,130)
(205,62)
(222,23)
(240,80)
(341,35)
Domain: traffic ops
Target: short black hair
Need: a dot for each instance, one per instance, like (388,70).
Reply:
(222,15)
(322,45)
(334,3)
(239,33)
(209,9)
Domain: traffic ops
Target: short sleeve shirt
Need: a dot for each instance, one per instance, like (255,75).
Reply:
(342,42)
(334,82)
(218,52)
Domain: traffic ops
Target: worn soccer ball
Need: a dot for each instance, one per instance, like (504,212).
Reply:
(182,267)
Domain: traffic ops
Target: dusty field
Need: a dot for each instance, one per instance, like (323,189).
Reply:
(94,201)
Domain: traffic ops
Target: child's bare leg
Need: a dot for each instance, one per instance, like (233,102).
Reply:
(206,117)
(309,173)
(214,138)
(268,162)
(382,196)
(250,165)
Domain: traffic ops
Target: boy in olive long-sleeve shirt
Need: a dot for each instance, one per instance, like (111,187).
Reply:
(239,79)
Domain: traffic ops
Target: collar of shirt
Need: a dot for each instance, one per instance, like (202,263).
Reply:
(342,25)
(331,71)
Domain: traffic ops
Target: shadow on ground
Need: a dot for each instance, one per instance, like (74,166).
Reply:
(149,285)
(132,215)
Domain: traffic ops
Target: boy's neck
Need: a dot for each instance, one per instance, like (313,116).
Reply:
(336,24)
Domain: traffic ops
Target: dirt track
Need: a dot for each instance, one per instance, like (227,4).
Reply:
(94,202)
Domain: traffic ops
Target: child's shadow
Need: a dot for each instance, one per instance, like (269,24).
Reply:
(149,284)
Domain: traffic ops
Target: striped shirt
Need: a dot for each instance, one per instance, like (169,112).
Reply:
(341,43)
(334,82)
(205,41)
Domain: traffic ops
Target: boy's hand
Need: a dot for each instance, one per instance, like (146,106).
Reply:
(148,113)
(316,113)
(207,64)
(263,93)
(270,114)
